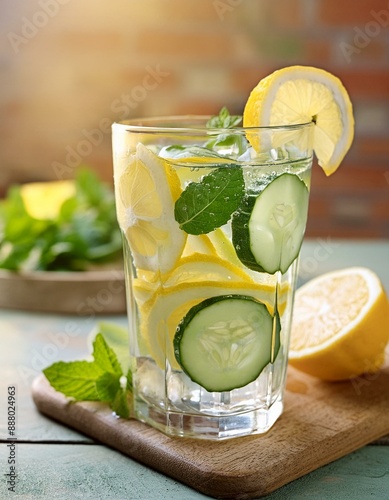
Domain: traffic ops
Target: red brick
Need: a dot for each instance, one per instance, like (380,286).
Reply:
(317,51)
(80,41)
(344,231)
(196,45)
(380,210)
(374,51)
(373,147)
(189,10)
(245,78)
(197,107)
(371,83)
(319,207)
(348,179)
(349,12)
(132,77)
(285,14)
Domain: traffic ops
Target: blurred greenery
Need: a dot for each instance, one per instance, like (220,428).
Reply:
(84,232)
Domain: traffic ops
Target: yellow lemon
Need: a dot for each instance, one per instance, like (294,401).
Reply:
(43,200)
(340,325)
(199,244)
(303,94)
(147,190)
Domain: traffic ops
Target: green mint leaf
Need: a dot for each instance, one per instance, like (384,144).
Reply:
(224,120)
(129,381)
(99,380)
(76,379)
(206,205)
(120,404)
(236,143)
(105,357)
(116,336)
(173,151)
(107,385)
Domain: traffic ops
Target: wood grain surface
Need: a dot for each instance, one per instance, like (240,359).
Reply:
(321,423)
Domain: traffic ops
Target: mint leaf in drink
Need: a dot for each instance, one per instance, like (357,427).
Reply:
(235,143)
(221,146)
(206,205)
(224,120)
(75,379)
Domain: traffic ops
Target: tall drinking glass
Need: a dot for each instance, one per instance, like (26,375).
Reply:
(212,222)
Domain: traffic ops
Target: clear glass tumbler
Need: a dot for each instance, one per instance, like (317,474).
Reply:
(212,222)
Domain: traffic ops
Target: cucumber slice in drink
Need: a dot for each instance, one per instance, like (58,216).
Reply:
(225,342)
(268,228)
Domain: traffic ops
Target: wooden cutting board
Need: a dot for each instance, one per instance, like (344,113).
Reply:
(321,423)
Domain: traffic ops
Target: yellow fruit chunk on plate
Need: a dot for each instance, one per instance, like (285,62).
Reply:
(43,200)
(303,94)
(148,189)
(340,325)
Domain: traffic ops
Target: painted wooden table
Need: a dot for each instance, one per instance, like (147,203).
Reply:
(56,462)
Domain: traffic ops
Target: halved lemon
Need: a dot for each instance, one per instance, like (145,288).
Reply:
(148,189)
(303,94)
(43,200)
(340,325)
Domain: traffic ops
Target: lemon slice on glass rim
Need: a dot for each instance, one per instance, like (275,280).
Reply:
(302,94)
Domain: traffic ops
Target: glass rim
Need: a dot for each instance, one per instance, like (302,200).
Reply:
(150,125)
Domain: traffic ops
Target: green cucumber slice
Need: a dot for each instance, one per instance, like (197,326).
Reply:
(268,228)
(225,342)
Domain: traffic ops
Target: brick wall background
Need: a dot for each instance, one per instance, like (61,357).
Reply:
(70,68)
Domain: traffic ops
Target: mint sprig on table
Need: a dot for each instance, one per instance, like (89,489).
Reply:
(103,379)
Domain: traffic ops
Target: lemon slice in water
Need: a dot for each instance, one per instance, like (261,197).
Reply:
(148,188)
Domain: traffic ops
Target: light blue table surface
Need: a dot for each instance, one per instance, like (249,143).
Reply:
(55,462)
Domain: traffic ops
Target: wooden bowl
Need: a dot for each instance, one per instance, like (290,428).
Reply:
(82,293)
